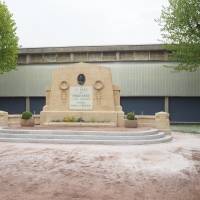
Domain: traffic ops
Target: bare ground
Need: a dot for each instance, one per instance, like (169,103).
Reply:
(168,171)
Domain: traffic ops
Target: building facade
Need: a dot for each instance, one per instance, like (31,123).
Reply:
(146,85)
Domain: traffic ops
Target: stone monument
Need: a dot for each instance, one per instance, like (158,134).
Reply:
(82,90)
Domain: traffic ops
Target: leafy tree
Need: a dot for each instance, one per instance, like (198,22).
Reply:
(180,27)
(8,40)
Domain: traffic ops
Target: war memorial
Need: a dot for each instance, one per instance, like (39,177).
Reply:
(82,90)
(85,91)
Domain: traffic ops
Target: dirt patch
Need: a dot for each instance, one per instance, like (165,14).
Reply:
(165,171)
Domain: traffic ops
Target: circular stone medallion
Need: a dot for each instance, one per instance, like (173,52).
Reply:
(98,85)
(64,85)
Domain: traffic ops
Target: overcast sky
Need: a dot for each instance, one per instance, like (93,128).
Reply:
(53,23)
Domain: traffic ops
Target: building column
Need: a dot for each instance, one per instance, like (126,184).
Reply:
(28,58)
(165,55)
(117,55)
(27,103)
(167,104)
(101,55)
(71,57)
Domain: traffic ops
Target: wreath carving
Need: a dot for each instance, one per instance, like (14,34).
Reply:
(64,85)
(98,85)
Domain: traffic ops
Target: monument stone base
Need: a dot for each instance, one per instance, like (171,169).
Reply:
(113,117)
(80,124)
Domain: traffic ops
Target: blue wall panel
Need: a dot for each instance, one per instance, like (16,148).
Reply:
(184,109)
(181,109)
(13,105)
(147,105)
(36,104)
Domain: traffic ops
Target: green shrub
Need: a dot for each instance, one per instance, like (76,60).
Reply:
(66,119)
(131,116)
(80,119)
(27,115)
(57,120)
(92,119)
(69,119)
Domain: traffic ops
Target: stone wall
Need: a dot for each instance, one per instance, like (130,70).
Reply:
(15,119)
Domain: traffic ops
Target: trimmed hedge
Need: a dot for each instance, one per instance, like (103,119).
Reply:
(27,115)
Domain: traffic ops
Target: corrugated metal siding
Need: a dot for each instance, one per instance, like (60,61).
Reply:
(28,80)
(152,79)
(135,79)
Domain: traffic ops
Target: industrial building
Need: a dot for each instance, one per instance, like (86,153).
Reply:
(146,85)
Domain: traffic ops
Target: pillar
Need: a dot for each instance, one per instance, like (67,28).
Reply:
(163,123)
(27,104)
(167,104)
(3,118)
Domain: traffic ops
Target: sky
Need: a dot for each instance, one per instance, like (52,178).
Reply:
(59,23)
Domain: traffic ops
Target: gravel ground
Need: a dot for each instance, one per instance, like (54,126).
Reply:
(168,171)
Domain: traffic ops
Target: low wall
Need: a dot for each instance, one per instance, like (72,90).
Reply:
(146,120)
(15,119)
(160,121)
(143,120)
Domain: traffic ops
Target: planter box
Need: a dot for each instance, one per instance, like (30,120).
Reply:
(131,123)
(27,122)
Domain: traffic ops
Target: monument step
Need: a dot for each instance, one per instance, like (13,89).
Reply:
(167,138)
(63,132)
(83,137)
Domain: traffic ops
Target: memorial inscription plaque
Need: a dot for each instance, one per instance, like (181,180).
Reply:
(81,98)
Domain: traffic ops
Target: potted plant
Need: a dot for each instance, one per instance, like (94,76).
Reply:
(27,119)
(130,121)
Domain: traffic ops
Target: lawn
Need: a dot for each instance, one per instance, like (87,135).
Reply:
(186,128)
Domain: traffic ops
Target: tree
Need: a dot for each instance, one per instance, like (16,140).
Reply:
(180,23)
(8,40)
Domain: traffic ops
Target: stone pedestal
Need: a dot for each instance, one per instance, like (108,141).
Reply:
(130,123)
(3,118)
(163,123)
(27,122)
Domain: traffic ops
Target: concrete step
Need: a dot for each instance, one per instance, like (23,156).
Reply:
(167,138)
(63,132)
(83,137)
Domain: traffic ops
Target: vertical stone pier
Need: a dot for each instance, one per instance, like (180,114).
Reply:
(163,123)
(3,118)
